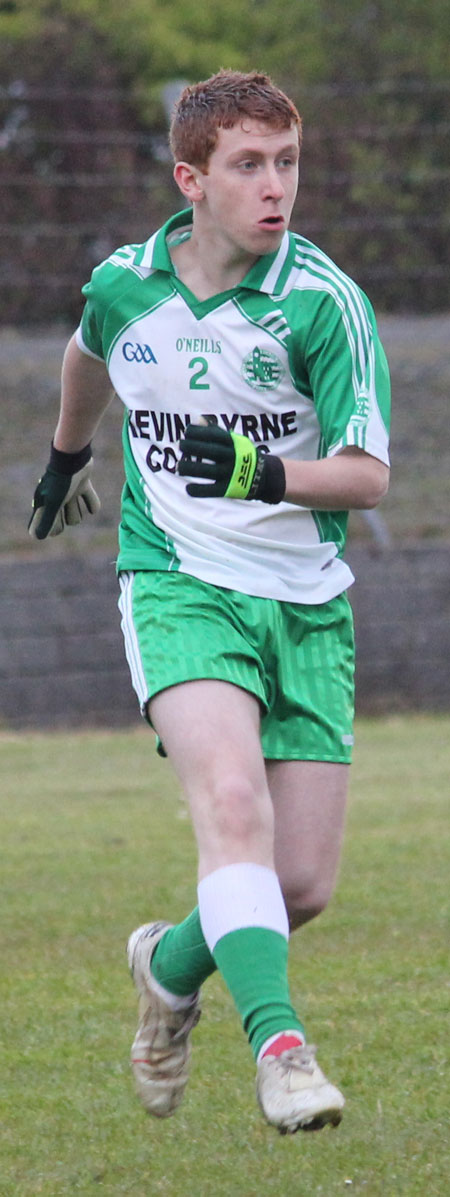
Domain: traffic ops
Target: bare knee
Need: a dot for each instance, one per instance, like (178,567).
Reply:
(235,809)
(306,902)
(236,822)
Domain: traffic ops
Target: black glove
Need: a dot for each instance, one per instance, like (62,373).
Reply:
(235,467)
(63,493)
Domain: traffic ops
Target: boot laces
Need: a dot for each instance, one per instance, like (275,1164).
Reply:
(301,1058)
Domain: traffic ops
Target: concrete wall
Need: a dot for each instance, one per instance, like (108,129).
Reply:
(401,604)
(62,660)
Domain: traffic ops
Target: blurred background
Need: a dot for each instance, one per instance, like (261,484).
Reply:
(86,90)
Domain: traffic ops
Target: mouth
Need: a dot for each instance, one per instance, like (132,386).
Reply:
(272,222)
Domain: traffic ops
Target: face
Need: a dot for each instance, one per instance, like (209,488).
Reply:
(250,186)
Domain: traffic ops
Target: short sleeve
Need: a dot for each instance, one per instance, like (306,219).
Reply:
(349,376)
(89,334)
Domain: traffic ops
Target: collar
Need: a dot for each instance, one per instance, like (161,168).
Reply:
(268,273)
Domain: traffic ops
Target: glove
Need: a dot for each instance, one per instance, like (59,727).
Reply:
(61,492)
(237,469)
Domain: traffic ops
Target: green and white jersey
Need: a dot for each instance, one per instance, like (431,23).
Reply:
(290,357)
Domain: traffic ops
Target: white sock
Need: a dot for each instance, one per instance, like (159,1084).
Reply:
(174,1000)
(241,895)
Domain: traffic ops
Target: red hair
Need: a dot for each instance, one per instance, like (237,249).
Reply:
(220,103)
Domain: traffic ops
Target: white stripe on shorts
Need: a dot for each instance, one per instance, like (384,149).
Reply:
(132,651)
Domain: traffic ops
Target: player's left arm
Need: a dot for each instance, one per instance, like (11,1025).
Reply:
(349,378)
(351,479)
(227,465)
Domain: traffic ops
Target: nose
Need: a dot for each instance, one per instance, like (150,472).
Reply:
(273,187)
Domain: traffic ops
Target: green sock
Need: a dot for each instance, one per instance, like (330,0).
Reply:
(253,962)
(182,960)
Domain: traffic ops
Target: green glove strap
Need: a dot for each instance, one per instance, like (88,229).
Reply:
(244,467)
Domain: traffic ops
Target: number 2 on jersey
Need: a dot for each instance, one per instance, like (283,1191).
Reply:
(201,368)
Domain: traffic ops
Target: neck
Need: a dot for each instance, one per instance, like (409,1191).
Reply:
(208,265)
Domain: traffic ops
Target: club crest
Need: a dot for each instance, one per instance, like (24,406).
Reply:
(262,370)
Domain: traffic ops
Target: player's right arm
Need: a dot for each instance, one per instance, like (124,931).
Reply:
(85,394)
(65,490)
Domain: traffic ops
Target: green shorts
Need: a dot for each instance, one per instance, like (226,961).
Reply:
(296,658)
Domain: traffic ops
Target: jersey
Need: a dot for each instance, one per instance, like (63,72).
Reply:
(291,358)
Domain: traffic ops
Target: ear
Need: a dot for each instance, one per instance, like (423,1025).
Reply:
(189,180)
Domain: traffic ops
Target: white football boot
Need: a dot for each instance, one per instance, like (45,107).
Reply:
(161,1049)
(294,1094)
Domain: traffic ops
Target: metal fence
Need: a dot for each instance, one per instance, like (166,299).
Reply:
(80,175)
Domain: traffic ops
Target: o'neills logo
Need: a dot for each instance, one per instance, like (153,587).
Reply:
(262,370)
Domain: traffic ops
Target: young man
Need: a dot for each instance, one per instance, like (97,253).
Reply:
(249,364)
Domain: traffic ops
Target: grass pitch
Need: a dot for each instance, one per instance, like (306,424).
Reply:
(95,839)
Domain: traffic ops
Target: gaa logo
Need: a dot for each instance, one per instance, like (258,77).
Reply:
(138,353)
(262,370)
